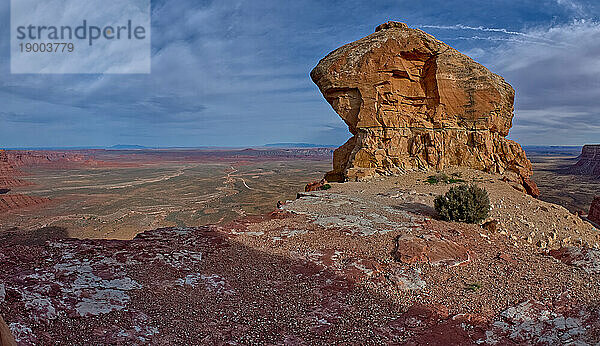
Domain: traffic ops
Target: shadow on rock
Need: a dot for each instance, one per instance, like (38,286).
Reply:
(186,286)
(36,237)
(418,208)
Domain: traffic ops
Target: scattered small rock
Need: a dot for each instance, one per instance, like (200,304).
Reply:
(491,226)
(315,185)
(506,257)
(429,249)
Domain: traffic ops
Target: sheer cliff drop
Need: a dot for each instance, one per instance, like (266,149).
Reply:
(594,214)
(589,161)
(413,102)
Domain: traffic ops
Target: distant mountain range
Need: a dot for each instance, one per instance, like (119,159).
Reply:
(129,146)
(139,147)
(553,150)
(532,148)
(300,145)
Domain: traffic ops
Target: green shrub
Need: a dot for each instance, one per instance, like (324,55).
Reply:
(444,178)
(463,203)
(326,187)
(432,179)
(473,287)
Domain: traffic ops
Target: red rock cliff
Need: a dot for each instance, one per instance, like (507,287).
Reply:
(589,161)
(10,161)
(594,214)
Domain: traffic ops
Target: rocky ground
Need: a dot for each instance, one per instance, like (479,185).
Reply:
(359,263)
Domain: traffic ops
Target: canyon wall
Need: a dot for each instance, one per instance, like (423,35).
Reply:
(594,214)
(589,161)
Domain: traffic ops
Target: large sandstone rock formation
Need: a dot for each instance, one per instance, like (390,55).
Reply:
(589,161)
(412,101)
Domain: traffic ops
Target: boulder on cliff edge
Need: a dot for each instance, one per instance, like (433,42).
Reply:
(413,102)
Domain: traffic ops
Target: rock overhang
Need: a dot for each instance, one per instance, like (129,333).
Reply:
(412,101)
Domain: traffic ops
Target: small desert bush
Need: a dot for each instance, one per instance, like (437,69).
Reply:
(326,187)
(463,203)
(473,287)
(444,178)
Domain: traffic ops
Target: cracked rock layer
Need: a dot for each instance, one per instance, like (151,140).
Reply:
(413,102)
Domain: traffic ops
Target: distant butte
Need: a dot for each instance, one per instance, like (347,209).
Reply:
(413,102)
(589,161)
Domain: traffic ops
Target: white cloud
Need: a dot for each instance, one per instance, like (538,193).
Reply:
(556,74)
(572,5)
(478,28)
(557,86)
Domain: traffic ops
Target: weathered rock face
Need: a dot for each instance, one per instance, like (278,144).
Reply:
(6,169)
(589,161)
(584,258)
(594,214)
(531,187)
(412,101)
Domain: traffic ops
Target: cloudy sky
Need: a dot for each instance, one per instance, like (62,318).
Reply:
(236,73)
